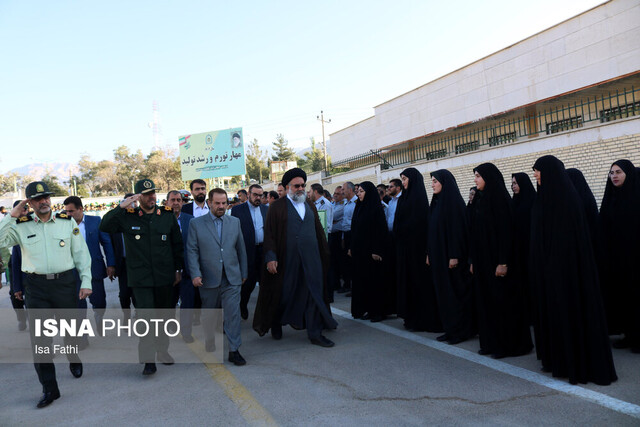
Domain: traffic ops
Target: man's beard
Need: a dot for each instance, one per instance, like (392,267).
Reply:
(298,197)
(199,198)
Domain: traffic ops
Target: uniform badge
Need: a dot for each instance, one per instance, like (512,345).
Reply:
(167,208)
(23,219)
(140,213)
(62,243)
(137,237)
(76,231)
(131,210)
(158,212)
(63,215)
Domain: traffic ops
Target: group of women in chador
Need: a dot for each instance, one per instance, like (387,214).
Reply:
(500,264)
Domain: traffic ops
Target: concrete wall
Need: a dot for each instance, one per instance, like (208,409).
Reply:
(592,150)
(598,45)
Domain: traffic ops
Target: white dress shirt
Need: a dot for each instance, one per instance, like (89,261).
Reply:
(299,207)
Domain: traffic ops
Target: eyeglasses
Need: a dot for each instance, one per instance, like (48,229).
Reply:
(298,185)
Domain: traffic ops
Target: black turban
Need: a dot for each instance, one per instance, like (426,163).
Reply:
(293,173)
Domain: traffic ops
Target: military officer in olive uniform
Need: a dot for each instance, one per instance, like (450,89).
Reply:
(52,247)
(155,253)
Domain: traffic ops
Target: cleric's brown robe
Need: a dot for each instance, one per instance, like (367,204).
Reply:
(270,290)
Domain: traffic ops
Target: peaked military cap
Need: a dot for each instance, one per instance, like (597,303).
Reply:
(144,186)
(37,189)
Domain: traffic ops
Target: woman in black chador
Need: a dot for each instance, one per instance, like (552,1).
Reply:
(523,197)
(620,228)
(369,237)
(416,296)
(571,329)
(502,323)
(448,253)
(590,207)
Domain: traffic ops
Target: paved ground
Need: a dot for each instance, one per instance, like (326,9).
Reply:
(378,374)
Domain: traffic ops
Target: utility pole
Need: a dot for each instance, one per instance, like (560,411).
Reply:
(324,144)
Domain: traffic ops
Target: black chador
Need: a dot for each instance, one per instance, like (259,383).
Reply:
(590,207)
(416,296)
(570,330)
(620,228)
(448,255)
(521,205)
(369,238)
(502,323)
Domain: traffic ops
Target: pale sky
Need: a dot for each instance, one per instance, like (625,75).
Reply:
(81,76)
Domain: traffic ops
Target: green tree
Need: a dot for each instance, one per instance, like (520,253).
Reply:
(256,162)
(128,167)
(163,168)
(281,149)
(314,159)
(54,185)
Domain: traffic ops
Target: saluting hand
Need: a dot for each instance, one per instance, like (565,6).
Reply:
(84,293)
(129,201)
(17,211)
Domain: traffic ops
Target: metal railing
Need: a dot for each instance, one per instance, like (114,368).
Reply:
(553,119)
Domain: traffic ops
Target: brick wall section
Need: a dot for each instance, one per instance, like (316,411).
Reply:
(593,159)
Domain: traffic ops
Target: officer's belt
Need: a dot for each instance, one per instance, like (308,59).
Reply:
(50,276)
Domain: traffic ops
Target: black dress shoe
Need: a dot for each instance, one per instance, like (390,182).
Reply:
(375,319)
(276,332)
(47,398)
(454,341)
(165,358)
(76,369)
(244,312)
(149,369)
(236,358)
(210,346)
(442,338)
(322,341)
(187,338)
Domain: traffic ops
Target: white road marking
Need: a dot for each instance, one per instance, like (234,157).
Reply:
(601,399)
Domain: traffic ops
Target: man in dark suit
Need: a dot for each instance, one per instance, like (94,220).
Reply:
(89,228)
(252,216)
(218,266)
(199,192)
(185,290)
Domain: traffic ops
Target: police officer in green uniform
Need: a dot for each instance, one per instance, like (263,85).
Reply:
(153,243)
(52,247)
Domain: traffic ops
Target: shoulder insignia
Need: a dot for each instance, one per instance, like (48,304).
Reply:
(76,231)
(25,218)
(63,216)
(131,210)
(140,212)
(158,211)
(168,208)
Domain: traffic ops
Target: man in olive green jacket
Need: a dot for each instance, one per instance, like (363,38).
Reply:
(153,244)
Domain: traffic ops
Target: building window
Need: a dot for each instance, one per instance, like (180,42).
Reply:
(564,124)
(502,139)
(620,112)
(466,147)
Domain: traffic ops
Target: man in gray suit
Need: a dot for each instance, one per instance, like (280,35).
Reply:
(217,263)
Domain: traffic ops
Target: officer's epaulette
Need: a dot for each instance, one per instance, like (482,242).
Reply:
(62,216)
(25,218)
(131,210)
(168,208)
